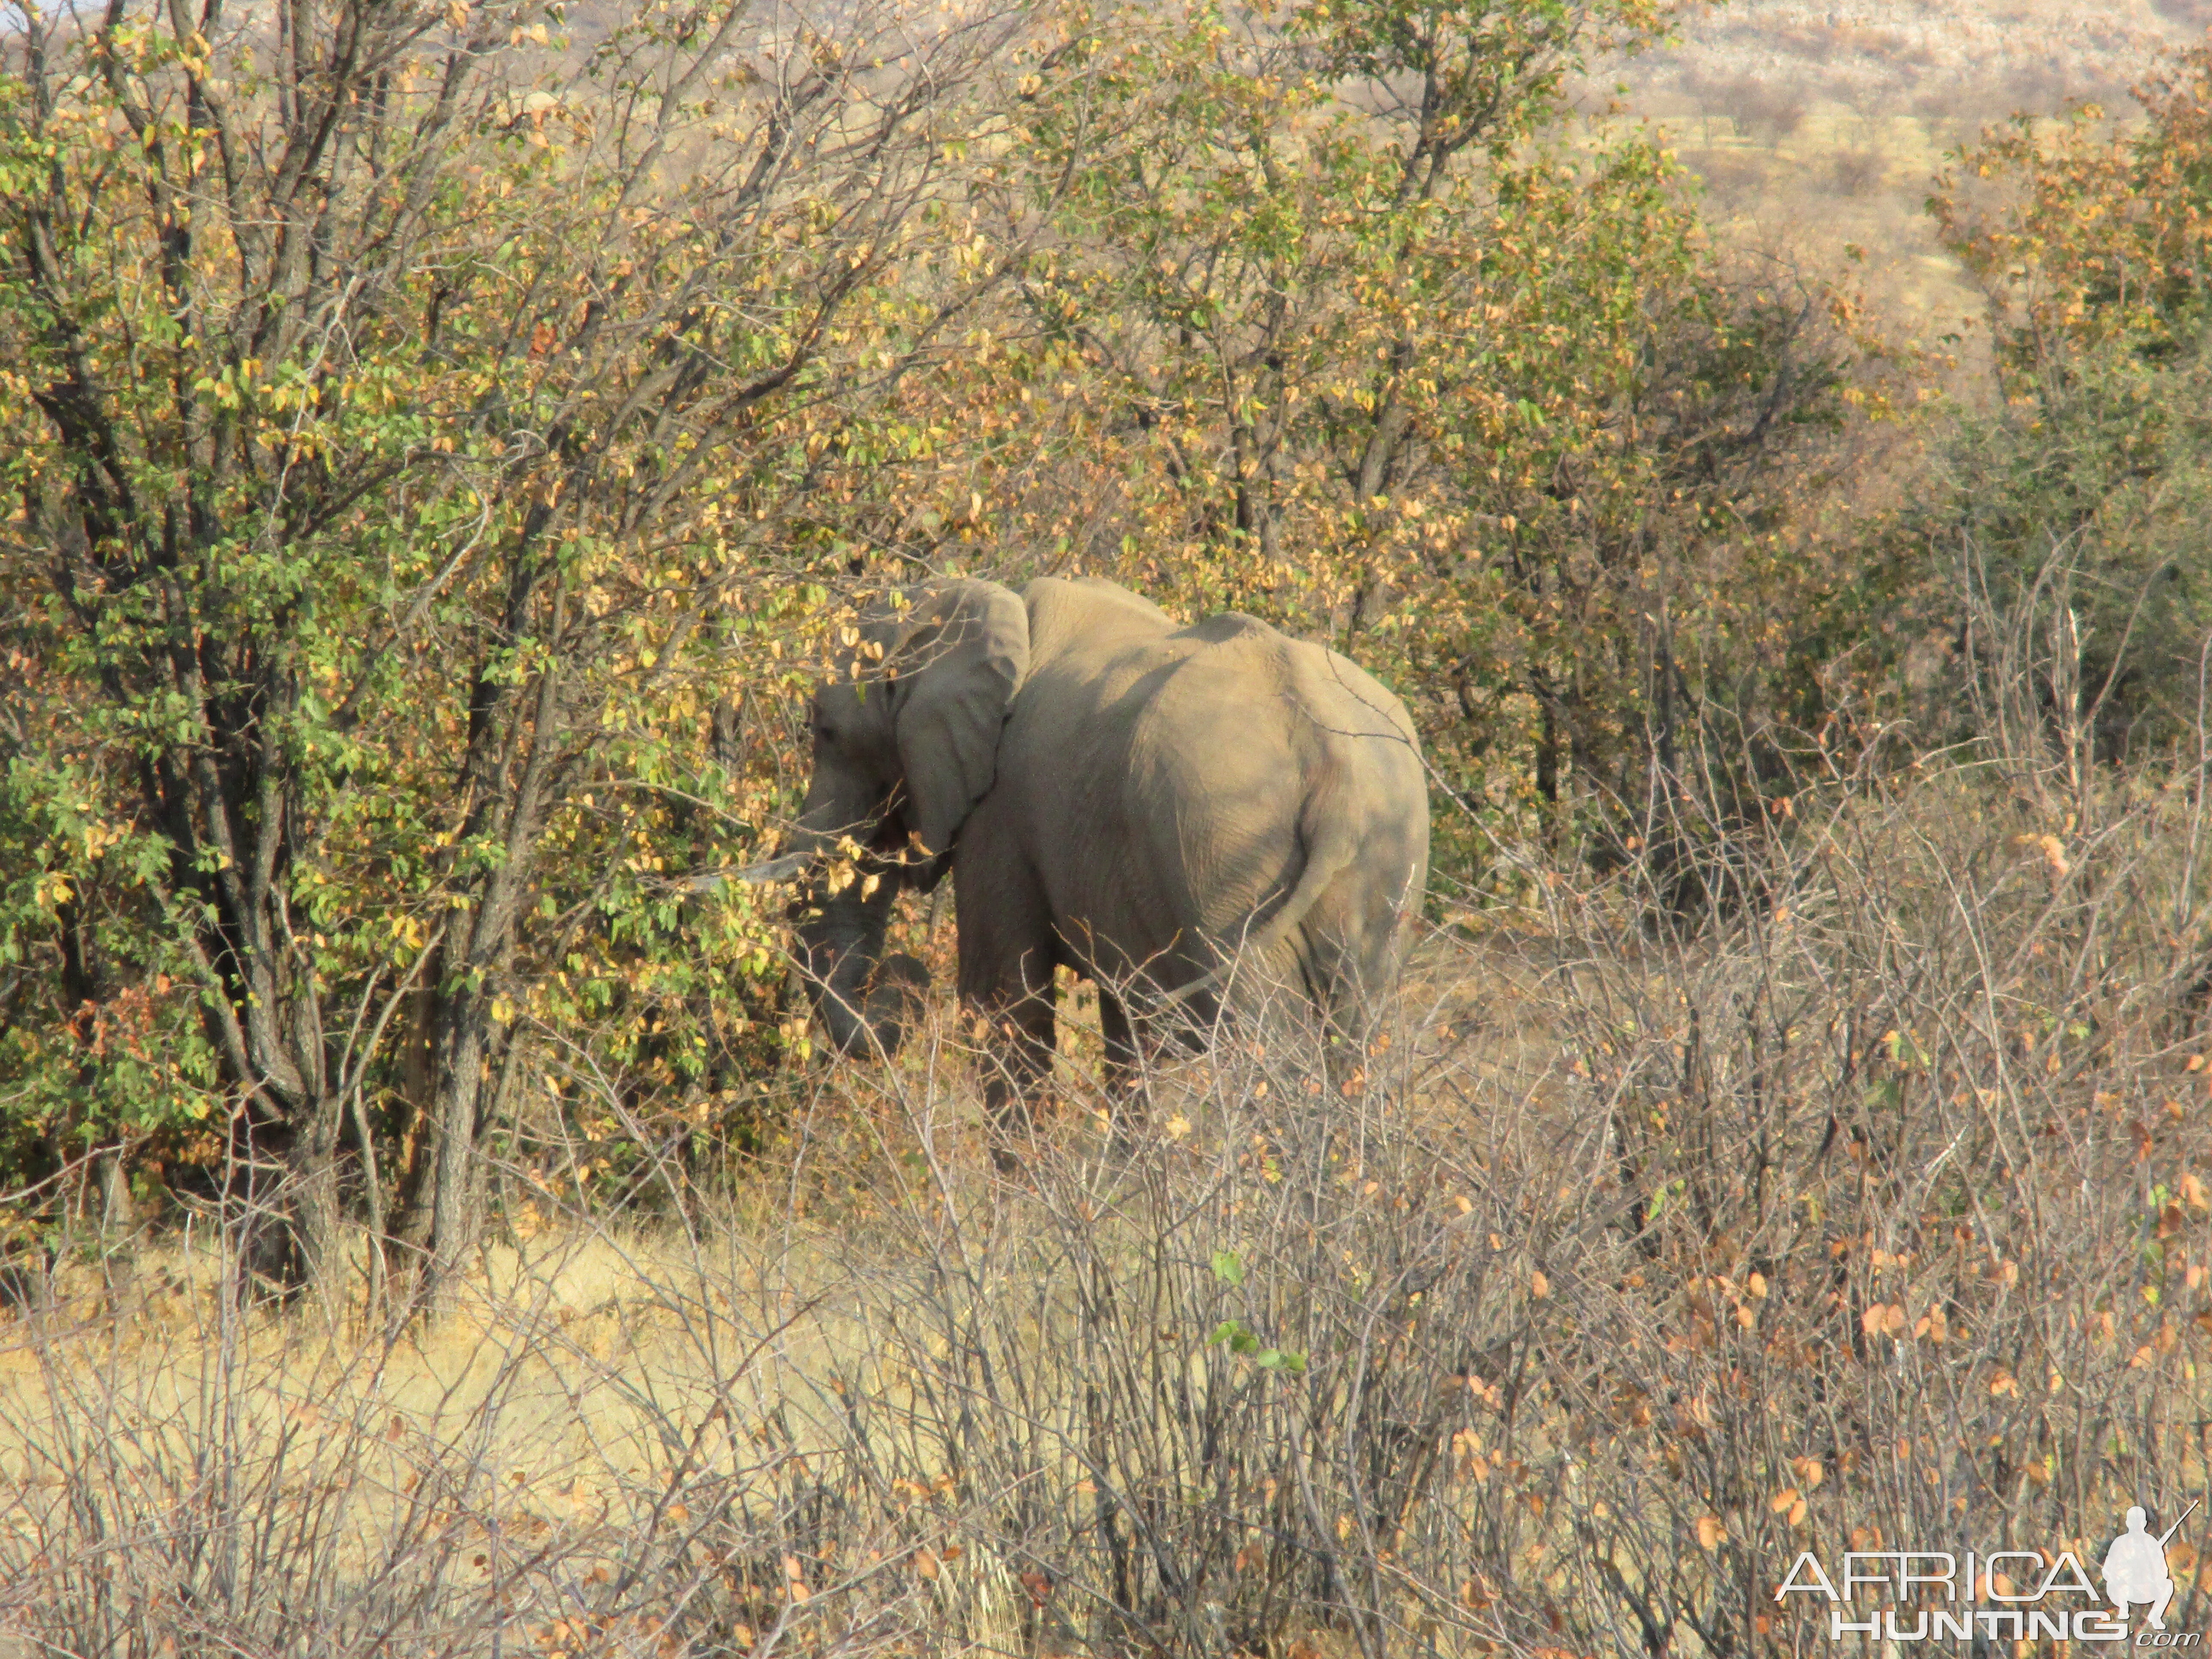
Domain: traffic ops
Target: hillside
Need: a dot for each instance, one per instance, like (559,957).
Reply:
(1816,125)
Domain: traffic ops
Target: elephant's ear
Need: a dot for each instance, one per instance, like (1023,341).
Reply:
(956,672)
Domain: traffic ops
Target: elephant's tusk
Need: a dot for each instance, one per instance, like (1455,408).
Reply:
(782,869)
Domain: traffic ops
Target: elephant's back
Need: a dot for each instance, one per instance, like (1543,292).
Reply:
(1237,668)
(1171,784)
(1287,743)
(1370,730)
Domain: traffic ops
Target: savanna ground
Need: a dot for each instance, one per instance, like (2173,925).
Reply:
(1631,1264)
(434,1231)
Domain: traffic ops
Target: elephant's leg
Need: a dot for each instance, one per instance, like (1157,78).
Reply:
(1352,958)
(1006,959)
(1020,1036)
(1195,1023)
(1124,1079)
(1121,1039)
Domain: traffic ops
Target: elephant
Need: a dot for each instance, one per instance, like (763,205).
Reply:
(1186,816)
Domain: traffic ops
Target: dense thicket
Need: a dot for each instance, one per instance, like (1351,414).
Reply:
(435,439)
(416,425)
(2090,486)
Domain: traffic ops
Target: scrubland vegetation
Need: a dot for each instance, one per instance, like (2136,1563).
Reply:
(438,443)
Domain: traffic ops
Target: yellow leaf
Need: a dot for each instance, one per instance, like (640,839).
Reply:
(1882,1317)
(1710,1532)
(2052,850)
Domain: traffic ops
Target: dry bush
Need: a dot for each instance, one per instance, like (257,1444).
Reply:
(194,1479)
(1909,1138)
(1910,1162)
(1856,171)
(1866,1208)
(1731,178)
(1760,108)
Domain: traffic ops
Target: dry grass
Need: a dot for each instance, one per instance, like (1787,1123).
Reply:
(1643,1251)
(1639,1255)
(1651,1243)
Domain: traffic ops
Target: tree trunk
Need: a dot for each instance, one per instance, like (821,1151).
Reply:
(456,1219)
(117,1212)
(474,1036)
(313,1177)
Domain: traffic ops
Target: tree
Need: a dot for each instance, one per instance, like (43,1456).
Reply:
(397,404)
(2089,490)
(1344,321)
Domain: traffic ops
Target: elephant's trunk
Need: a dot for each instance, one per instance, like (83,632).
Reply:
(842,946)
(864,1002)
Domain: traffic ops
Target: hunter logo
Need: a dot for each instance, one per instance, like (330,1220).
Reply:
(2135,1568)
(2013,1595)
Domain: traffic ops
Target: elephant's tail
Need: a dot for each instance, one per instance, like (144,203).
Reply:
(1330,828)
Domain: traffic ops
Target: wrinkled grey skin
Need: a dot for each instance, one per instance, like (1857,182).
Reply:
(1196,814)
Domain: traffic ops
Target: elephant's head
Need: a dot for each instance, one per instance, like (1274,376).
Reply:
(905,742)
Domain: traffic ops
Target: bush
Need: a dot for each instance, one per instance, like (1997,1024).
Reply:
(1875,1216)
(2093,476)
